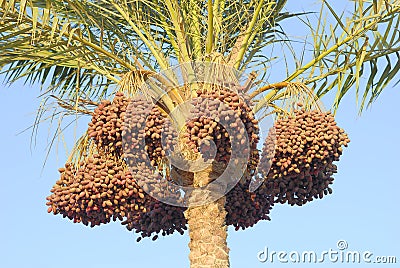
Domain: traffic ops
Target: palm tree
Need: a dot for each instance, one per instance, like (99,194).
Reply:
(83,52)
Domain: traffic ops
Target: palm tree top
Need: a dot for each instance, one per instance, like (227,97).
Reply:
(80,50)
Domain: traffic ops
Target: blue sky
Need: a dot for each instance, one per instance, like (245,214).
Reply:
(362,209)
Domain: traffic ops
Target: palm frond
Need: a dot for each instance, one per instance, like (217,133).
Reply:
(37,44)
(353,45)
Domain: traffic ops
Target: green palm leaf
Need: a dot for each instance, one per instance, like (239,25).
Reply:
(350,47)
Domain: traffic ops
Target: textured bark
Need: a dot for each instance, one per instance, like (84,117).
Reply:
(207,228)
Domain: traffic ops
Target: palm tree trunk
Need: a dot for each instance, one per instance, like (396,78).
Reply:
(207,228)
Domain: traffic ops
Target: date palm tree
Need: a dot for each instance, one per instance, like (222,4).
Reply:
(83,52)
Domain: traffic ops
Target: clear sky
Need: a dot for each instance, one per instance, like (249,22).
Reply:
(362,209)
